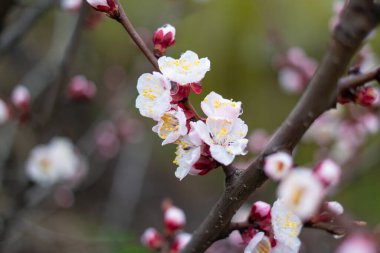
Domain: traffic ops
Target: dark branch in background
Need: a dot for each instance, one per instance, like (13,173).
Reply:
(57,88)
(39,78)
(22,25)
(5,7)
(359,18)
(126,23)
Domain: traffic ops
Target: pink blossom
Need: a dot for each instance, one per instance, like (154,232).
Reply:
(328,172)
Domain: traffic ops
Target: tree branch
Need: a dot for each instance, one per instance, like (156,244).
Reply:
(26,20)
(126,23)
(358,19)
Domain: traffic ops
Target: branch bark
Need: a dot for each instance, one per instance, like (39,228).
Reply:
(358,19)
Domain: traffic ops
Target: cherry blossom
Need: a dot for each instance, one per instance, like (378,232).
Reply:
(278,165)
(214,105)
(225,137)
(52,163)
(187,154)
(185,70)
(286,228)
(301,192)
(171,126)
(154,95)
(358,243)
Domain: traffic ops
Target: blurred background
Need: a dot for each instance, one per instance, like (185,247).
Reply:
(129,173)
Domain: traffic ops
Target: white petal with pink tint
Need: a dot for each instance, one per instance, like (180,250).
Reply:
(214,105)
(171,125)
(187,69)
(328,172)
(301,192)
(278,165)
(286,227)
(154,95)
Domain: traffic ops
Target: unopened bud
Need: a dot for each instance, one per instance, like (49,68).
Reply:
(328,172)
(259,211)
(334,208)
(367,96)
(21,98)
(81,89)
(174,218)
(163,38)
(107,6)
(151,239)
(180,242)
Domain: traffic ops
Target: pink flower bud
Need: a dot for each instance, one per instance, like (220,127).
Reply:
(151,239)
(21,98)
(259,211)
(174,218)
(358,243)
(163,38)
(328,172)
(81,89)
(367,96)
(107,6)
(334,208)
(180,242)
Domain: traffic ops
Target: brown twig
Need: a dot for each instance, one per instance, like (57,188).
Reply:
(126,23)
(353,81)
(358,19)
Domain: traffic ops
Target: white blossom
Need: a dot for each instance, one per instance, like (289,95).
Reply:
(187,69)
(215,106)
(225,137)
(187,154)
(286,228)
(301,192)
(154,95)
(278,165)
(52,163)
(171,126)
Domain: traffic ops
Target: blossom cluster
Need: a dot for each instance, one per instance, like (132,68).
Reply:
(269,229)
(202,143)
(173,237)
(55,162)
(343,132)
(301,190)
